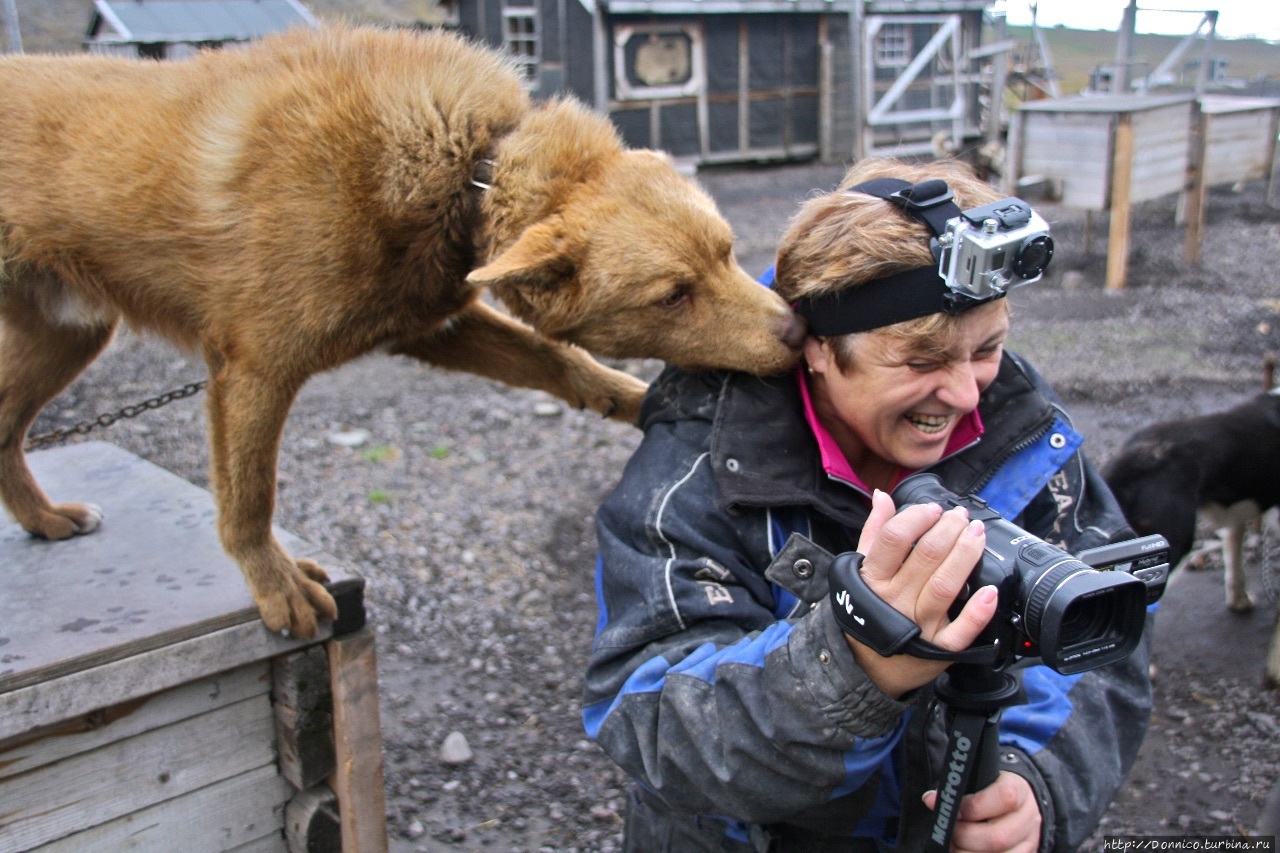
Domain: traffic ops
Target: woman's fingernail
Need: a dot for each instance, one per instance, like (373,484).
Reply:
(987,595)
(975,528)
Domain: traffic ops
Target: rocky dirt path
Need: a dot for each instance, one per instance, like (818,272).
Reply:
(468,507)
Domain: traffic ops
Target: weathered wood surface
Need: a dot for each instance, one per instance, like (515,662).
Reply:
(245,812)
(304,716)
(136,773)
(102,726)
(1241,138)
(1072,141)
(153,575)
(357,779)
(85,690)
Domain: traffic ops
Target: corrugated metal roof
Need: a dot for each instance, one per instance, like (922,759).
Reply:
(194,20)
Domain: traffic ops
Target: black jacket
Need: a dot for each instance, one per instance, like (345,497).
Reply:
(720,679)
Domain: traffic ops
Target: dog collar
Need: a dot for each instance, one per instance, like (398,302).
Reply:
(482,176)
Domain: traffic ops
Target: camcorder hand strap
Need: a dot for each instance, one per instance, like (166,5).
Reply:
(870,620)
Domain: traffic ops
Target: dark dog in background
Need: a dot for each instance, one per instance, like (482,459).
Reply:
(1224,467)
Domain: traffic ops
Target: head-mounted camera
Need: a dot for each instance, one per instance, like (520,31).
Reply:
(981,254)
(988,250)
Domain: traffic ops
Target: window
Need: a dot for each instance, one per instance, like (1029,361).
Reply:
(657,61)
(520,37)
(893,46)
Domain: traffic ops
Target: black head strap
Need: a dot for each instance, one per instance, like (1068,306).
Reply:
(894,298)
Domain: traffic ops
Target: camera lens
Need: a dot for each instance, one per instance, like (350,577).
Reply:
(1033,256)
(1084,618)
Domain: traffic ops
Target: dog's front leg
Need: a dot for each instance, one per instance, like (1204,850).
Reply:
(247,413)
(1234,580)
(485,342)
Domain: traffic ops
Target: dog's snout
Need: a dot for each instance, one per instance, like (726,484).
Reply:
(794,330)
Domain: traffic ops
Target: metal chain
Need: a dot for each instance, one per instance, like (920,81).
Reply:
(37,441)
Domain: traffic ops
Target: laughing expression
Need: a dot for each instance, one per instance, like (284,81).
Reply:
(898,404)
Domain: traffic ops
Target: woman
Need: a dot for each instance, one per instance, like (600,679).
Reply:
(720,679)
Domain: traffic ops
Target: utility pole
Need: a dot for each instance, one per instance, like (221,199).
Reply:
(1124,50)
(11,26)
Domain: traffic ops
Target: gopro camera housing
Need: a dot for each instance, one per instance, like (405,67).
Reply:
(988,250)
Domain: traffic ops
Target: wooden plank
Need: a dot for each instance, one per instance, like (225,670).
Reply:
(273,843)
(136,773)
(304,716)
(357,780)
(1164,138)
(1239,146)
(1121,210)
(1196,188)
(83,691)
(240,813)
(154,574)
(117,722)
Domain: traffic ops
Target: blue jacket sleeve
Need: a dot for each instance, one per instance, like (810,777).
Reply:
(694,686)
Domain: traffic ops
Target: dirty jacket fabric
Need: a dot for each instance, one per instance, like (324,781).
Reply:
(719,678)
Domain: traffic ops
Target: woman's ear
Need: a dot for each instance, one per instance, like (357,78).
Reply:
(817,354)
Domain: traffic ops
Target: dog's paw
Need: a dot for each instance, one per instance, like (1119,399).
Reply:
(63,521)
(298,609)
(624,403)
(1241,603)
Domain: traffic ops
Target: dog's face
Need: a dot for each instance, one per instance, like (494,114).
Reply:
(638,263)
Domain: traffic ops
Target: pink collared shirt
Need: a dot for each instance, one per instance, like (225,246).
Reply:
(966,433)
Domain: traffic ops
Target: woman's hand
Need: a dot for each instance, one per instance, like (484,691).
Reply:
(1001,818)
(918,561)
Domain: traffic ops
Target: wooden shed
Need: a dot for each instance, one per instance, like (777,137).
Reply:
(1108,152)
(714,81)
(1240,138)
(1104,153)
(173,29)
(144,706)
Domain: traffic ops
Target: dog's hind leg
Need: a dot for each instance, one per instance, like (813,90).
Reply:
(247,411)
(1237,518)
(488,343)
(40,354)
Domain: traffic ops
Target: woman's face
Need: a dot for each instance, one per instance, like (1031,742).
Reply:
(898,406)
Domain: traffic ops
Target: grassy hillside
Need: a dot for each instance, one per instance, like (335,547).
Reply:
(1077,52)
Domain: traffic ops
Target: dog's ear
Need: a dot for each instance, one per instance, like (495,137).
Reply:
(539,259)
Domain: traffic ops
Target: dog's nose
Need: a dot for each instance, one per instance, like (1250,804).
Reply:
(796,329)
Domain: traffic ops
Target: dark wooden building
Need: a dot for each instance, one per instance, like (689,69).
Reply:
(739,80)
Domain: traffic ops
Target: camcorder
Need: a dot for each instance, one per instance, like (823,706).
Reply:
(988,250)
(1075,613)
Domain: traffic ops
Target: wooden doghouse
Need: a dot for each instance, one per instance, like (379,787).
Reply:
(143,705)
(1233,140)
(1105,153)
(1109,152)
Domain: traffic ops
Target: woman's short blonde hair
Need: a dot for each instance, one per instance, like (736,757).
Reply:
(843,239)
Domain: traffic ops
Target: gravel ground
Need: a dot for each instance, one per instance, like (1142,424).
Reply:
(468,506)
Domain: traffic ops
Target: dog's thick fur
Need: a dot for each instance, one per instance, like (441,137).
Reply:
(286,208)
(1224,466)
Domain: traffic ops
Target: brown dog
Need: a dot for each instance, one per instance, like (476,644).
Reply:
(323,194)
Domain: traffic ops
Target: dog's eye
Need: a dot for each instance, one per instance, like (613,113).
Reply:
(679,296)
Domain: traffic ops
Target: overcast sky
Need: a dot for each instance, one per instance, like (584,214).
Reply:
(1236,18)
